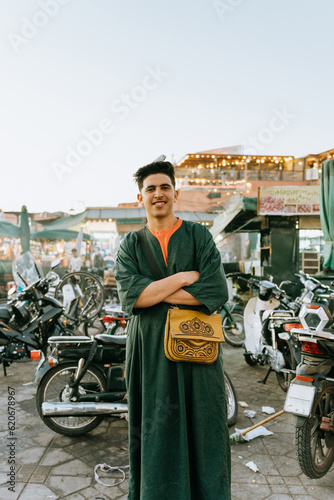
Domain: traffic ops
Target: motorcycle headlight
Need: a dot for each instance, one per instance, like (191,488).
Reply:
(21,313)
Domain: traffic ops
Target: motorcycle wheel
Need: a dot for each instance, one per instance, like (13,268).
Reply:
(250,359)
(315,447)
(234,336)
(53,388)
(290,363)
(93,327)
(92,300)
(232,405)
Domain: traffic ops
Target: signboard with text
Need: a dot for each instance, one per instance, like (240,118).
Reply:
(288,200)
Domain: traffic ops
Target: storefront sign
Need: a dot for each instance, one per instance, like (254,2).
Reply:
(288,200)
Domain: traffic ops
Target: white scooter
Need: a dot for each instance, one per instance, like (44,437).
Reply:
(268,319)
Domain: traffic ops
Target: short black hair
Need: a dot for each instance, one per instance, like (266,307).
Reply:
(157,167)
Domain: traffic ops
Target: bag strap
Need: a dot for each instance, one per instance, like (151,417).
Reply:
(148,255)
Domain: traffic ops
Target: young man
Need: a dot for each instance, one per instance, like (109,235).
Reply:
(179,443)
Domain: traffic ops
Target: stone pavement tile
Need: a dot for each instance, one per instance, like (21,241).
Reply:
(66,485)
(293,481)
(89,492)
(321,492)
(73,468)
(43,438)
(30,457)
(275,480)
(75,496)
(23,478)
(80,448)
(109,492)
(279,444)
(298,490)
(265,464)
(100,457)
(278,496)
(327,480)
(287,466)
(254,491)
(38,492)
(279,489)
(304,497)
(55,457)
(38,478)
(27,469)
(242,474)
(42,469)
(10,495)
(61,441)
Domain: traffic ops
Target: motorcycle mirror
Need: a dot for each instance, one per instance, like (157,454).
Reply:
(11,291)
(160,158)
(286,282)
(55,263)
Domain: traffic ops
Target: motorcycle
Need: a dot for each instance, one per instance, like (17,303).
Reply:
(268,319)
(310,397)
(270,316)
(29,318)
(232,314)
(82,296)
(86,382)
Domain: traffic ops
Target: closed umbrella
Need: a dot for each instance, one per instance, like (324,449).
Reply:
(79,241)
(327,211)
(24,230)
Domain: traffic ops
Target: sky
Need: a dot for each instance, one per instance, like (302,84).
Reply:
(92,90)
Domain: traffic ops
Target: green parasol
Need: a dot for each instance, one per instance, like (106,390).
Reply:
(327,211)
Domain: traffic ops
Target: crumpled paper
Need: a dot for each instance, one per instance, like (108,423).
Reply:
(250,413)
(253,466)
(268,409)
(259,431)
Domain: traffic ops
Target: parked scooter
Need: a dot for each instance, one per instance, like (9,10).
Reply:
(30,317)
(87,382)
(311,394)
(268,319)
(232,314)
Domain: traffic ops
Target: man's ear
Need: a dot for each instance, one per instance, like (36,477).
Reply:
(176,194)
(140,198)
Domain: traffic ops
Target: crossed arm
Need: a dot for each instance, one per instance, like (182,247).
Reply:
(169,290)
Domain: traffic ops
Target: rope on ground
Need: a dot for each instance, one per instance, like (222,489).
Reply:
(107,468)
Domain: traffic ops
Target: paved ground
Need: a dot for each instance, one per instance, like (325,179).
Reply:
(50,466)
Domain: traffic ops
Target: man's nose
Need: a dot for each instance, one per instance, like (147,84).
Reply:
(158,192)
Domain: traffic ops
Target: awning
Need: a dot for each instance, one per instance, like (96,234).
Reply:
(66,222)
(57,234)
(8,229)
(232,208)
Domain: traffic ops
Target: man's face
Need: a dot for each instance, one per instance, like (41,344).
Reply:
(158,195)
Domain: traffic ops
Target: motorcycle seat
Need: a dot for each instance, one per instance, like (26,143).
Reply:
(5,312)
(105,339)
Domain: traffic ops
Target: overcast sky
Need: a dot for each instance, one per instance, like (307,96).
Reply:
(91,90)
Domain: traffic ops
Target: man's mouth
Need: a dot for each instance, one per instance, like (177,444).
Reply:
(159,203)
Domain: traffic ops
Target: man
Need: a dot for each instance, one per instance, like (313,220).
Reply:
(75,262)
(178,437)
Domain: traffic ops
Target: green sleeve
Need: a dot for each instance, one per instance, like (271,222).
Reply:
(130,283)
(211,287)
